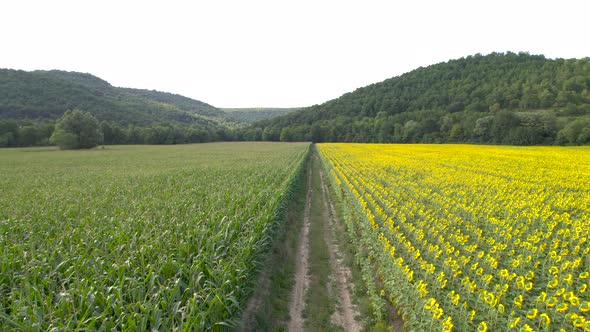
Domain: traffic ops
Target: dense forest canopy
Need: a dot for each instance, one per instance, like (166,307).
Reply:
(498,98)
(251,115)
(48,94)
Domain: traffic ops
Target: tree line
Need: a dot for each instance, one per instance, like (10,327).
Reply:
(77,129)
(503,127)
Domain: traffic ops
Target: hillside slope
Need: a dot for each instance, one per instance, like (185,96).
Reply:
(498,98)
(251,115)
(46,95)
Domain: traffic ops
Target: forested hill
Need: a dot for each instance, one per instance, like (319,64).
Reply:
(250,115)
(498,98)
(46,95)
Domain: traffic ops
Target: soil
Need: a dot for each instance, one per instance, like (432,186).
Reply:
(302,266)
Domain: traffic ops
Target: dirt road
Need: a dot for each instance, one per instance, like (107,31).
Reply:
(302,265)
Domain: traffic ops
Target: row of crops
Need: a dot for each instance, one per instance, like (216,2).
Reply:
(470,238)
(137,237)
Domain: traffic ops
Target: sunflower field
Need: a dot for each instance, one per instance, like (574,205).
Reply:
(470,238)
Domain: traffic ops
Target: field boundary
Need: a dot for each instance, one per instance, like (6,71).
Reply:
(264,312)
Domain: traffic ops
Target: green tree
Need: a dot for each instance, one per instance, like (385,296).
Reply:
(8,133)
(286,135)
(576,132)
(65,140)
(502,123)
(271,134)
(76,130)
(28,135)
(457,133)
(482,128)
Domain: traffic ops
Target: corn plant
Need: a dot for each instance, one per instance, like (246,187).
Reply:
(137,238)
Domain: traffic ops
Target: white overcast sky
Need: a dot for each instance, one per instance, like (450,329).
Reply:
(258,53)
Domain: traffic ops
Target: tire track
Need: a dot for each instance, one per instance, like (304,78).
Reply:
(297,305)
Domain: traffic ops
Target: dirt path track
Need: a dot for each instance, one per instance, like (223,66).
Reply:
(302,265)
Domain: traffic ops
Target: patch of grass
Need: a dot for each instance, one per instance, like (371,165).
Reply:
(320,300)
(39,149)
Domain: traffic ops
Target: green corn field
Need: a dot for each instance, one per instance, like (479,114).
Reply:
(138,237)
